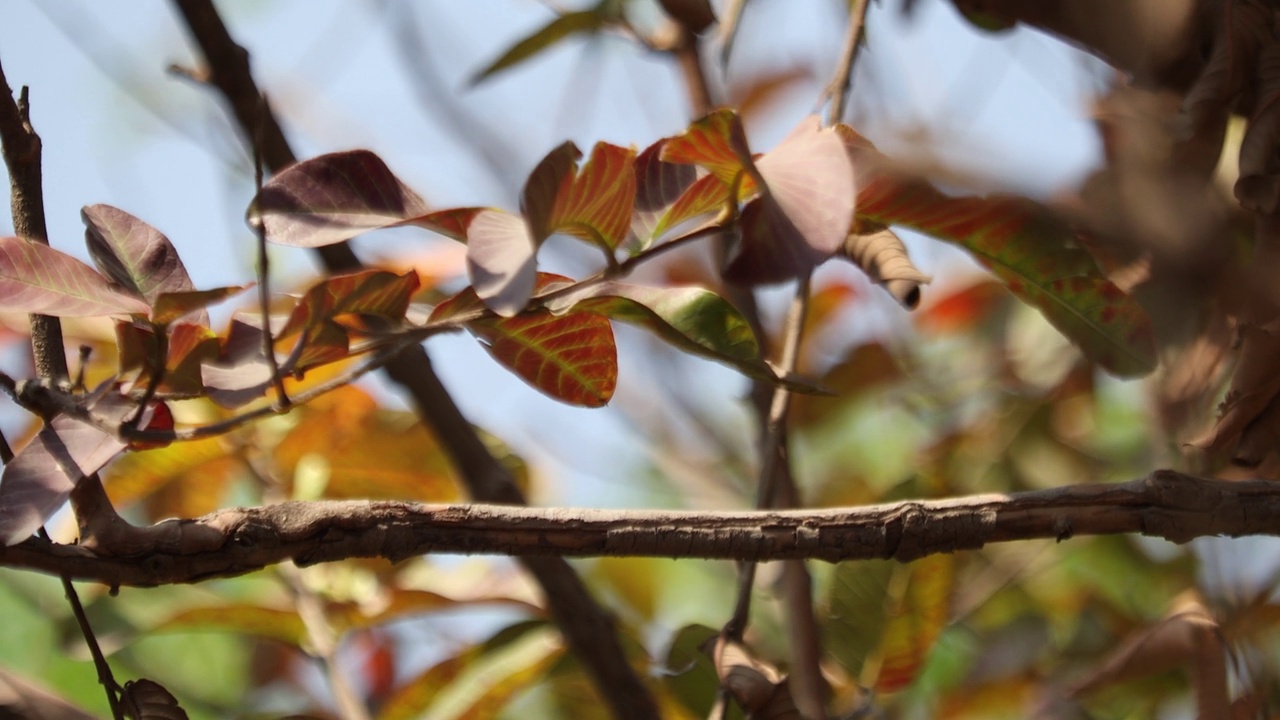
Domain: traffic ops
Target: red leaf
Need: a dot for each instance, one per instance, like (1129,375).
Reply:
(571,357)
(168,307)
(35,278)
(597,205)
(332,198)
(452,222)
(707,195)
(376,293)
(716,142)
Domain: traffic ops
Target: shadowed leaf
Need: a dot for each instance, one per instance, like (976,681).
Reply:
(35,278)
(133,254)
(658,185)
(332,198)
(452,222)
(707,195)
(571,356)
(570,23)
(1034,253)
(148,700)
(549,180)
(694,15)
(190,346)
(758,687)
(44,472)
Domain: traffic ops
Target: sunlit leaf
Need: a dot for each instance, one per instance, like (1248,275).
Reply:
(500,260)
(319,315)
(597,205)
(570,23)
(707,195)
(570,356)
(1034,253)
(35,278)
(190,345)
(199,468)
(692,319)
(658,185)
(332,198)
(857,611)
(170,306)
(133,254)
(804,211)
(690,674)
(716,142)
(452,222)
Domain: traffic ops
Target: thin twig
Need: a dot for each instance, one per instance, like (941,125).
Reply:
(264,267)
(729,25)
(842,82)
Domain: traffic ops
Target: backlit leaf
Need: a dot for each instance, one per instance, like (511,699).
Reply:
(190,345)
(570,356)
(35,278)
(195,467)
(1034,253)
(319,315)
(500,260)
(804,211)
(570,23)
(658,185)
(332,198)
(914,621)
(692,319)
(170,306)
(597,205)
(452,222)
(716,142)
(133,254)
(707,195)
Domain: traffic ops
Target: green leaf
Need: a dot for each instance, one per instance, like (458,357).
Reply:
(1036,255)
(571,23)
(692,319)
(35,278)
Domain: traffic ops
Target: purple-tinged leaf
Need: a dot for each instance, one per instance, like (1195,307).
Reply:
(658,185)
(452,222)
(133,254)
(804,212)
(35,278)
(41,476)
(332,198)
(168,307)
(500,261)
(551,178)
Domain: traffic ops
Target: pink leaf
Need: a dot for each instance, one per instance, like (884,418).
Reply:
(35,278)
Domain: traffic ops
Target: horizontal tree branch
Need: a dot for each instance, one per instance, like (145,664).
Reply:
(1165,504)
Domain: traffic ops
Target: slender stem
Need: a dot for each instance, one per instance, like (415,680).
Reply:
(689,54)
(264,266)
(843,80)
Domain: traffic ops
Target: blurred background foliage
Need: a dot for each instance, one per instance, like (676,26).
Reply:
(971,393)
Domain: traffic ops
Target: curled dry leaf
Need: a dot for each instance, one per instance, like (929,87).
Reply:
(758,687)
(1254,387)
(883,257)
(1258,188)
(1244,28)
(148,700)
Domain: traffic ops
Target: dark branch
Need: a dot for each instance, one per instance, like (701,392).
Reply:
(236,541)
